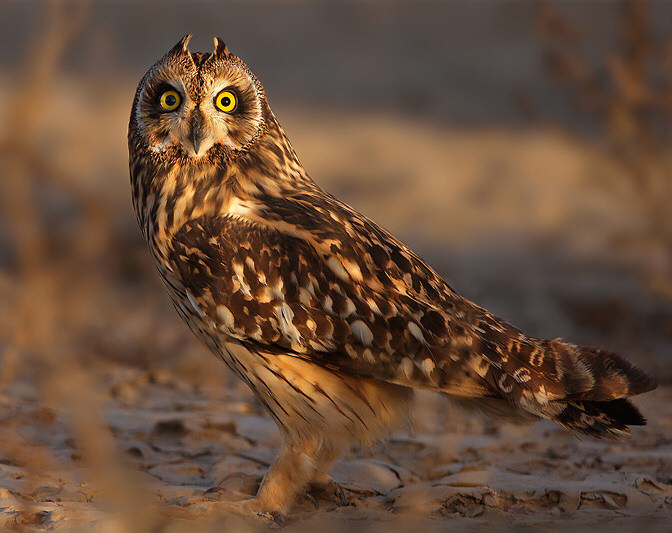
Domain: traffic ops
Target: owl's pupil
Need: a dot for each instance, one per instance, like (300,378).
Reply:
(170,100)
(226,101)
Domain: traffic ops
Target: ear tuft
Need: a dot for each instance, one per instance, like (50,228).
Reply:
(185,42)
(182,46)
(181,51)
(221,51)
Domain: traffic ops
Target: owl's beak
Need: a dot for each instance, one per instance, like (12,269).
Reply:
(196,130)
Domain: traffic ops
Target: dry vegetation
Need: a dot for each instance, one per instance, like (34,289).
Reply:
(629,97)
(113,418)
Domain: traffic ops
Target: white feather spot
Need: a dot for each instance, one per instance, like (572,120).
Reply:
(505,385)
(368,356)
(256,334)
(278,291)
(225,316)
(374,306)
(415,330)
(194,303)
(427,366)
(240,276)
(336,267)
(161,145)
(304,296)
(362,332)
(522,375)
(349,308)
(406,367)
(354,270)
(285,315)
(238,207)
(312,284)
(481,367)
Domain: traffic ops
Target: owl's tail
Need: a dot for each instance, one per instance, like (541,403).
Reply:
(582,389)
(597,385)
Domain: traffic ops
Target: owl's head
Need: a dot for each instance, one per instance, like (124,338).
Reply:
(198,105)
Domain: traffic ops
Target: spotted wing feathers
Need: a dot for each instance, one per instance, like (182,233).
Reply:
(307,275)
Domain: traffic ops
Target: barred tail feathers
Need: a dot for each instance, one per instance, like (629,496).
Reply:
(599,419)
(582,389)
(596,402)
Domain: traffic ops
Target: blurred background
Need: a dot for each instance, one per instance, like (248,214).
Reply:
(522,148)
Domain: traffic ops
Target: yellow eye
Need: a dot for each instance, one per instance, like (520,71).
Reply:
(226,101)
(170,100)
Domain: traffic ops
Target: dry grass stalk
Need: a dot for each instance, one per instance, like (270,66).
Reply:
(629,97)
(34,308)
(52,290)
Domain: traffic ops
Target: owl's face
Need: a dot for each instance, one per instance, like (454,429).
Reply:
(199,104)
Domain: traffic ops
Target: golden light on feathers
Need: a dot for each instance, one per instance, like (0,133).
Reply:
(327,317)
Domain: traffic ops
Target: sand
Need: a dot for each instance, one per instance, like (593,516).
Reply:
(173,440)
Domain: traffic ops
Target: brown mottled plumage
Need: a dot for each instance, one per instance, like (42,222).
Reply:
(327,317)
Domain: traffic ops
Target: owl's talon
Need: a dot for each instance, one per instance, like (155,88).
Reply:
(328,490)
(279,519)
(308,496)
(340,494)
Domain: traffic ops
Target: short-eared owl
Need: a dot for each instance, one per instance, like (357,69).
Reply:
(329,319)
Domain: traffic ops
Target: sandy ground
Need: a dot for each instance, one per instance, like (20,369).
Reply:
(114,418)
(450,472)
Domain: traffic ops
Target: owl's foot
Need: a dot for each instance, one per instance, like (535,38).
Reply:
(240,504)
(234,497)
(326,489)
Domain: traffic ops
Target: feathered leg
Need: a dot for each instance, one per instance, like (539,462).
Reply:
(302,460)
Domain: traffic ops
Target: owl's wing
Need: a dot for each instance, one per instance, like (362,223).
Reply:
(307,275)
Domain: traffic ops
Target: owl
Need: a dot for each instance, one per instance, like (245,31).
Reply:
(328,318)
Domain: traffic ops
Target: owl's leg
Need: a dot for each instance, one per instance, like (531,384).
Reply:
(322,486)
(290,474)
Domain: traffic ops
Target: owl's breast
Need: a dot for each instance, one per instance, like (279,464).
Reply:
(172,196)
